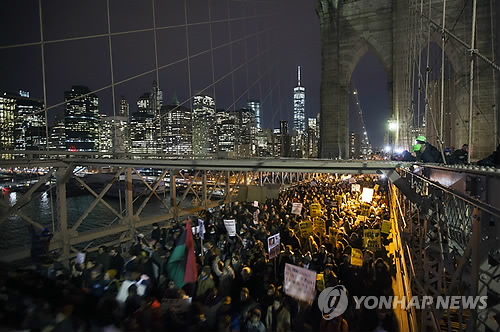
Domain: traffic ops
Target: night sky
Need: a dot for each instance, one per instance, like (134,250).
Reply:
(269,40)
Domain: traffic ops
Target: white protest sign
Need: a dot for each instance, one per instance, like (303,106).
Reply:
(256,203)
(273,245)
(355,187)
(299,283)
(296,208)
(230,226)
(256,217)
(367,195)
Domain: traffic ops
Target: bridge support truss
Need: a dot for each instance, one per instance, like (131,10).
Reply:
(450,245)
(188,191)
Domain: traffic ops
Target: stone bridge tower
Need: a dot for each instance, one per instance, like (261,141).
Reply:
(350,28)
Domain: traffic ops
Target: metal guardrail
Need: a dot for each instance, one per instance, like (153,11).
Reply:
(452,248)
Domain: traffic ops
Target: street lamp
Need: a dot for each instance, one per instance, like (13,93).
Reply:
(393,125)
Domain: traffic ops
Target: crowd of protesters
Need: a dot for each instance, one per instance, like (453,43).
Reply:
(237,289)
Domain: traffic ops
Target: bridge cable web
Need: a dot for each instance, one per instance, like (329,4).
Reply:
(157,67)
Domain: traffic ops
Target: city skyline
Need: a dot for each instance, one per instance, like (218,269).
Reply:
(156,126)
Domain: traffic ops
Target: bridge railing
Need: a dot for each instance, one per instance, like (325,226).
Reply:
(87,203)
(450,245)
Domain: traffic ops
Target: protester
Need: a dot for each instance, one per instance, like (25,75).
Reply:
(156,285)
(427,152)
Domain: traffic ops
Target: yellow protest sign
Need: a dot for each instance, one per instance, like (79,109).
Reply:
(371,239)
(319,225)
(306,228)
(360,219)
(365,209)
(375,188)
(356,257)
(386,227)
(315,210)
(320,281)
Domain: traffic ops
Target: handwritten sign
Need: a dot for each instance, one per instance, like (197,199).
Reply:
(230,225)
(386,227)
(315,210)
(356,257)
(299,283)
(296,208)
(273,245)
(371,239)
(306,228)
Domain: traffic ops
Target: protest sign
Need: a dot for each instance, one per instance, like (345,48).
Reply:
(367,195)
(375,188)
(256,203)
(320,280)
(296,208)
(256,217)
(319,225)
(230,226)
(338,198)
(356,187)
(360,219)
(299,283)
(273,245)
(365,209)
(386,227)
(306,228)
(352,180)
(371,239)
(356,257)
(314,209)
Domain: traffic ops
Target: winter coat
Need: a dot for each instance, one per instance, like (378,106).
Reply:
(203,285)
(283,319)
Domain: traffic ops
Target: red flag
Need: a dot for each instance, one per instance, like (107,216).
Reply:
(190,274)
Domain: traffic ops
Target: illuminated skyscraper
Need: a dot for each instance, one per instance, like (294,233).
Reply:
(299,105)
(81,119)
(57,134)
(29,121)
(254,105)
(177,133)
(142,127)
(124,108)
(237,133)
(204,126)
(7,107)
